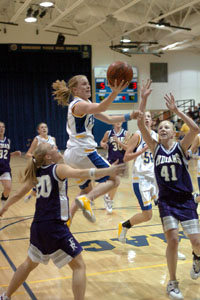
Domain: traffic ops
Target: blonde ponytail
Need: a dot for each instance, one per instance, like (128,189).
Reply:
(35,162)
(63,91)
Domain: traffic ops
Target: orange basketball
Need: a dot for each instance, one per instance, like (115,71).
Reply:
(119,70)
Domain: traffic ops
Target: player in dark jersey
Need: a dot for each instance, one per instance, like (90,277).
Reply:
(176,203)
(115,141)
(50,236)
(5,170)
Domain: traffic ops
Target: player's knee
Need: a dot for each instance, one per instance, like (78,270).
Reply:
(116,181)
(173,242)
(78,263)
(196,243)
(7,190)
(147,215)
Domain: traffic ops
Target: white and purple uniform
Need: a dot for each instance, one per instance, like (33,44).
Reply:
(50,236)
(176,201)
(115,151)
(5,156)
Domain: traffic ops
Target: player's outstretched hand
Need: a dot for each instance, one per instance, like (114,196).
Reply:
(170,102)
(135,114)
(117,169)
(146,89)
(119,87)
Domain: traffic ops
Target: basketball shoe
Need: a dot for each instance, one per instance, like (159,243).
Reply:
(4,297)
(181,256)
(108,203)
(195,271)
(28,196)
(173,290)
(122,231)
(84,203)
(69,221)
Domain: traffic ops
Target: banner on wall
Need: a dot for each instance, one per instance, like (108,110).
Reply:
(84,49)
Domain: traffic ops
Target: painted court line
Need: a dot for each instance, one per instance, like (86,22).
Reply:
(27,288)
(108,272)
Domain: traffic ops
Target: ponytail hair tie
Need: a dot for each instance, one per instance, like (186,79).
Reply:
(33,159)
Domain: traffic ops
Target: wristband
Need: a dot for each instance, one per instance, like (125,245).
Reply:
(92,172)
(189,153)
(127,117)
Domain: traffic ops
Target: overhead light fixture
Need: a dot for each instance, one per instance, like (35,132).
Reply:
(125,39)
(30,19)
(174,45)
(136,47)
(125,49)
(163,23)
(46,4)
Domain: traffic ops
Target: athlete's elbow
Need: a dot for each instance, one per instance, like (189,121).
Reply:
(125,159)
(196,129)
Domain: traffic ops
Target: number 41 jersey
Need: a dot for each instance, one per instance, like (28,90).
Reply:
(171,170)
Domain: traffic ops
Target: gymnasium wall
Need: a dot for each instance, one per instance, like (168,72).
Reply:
(183,68)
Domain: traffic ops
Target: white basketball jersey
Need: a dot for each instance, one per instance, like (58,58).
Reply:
(143,165)
(50,140)
(79,128)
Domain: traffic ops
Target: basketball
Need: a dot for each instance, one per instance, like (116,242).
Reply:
(119,70)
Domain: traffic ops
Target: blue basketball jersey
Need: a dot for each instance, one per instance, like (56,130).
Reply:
(171,171)
(115,151)
(5,155)
(51,199)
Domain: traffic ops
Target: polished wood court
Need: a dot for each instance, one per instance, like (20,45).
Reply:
(134,271)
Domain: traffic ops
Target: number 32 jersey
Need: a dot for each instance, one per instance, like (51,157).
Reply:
(171,171)
(4,156)
(143,165)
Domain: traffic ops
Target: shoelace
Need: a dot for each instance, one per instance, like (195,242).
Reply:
(197,265)
(174,287)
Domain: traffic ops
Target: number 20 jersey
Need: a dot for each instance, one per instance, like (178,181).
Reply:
(51,199)
(4,155)
(171,171)
(143,165)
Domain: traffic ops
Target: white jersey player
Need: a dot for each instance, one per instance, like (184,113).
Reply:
(42,137)
(81,147)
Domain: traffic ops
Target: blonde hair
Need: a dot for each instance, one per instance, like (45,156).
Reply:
(37,160)
(63,91)
(169,122)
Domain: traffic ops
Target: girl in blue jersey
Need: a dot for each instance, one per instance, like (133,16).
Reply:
(115,141)
(176,203)
(81,146)
(5,170)
(50,236)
